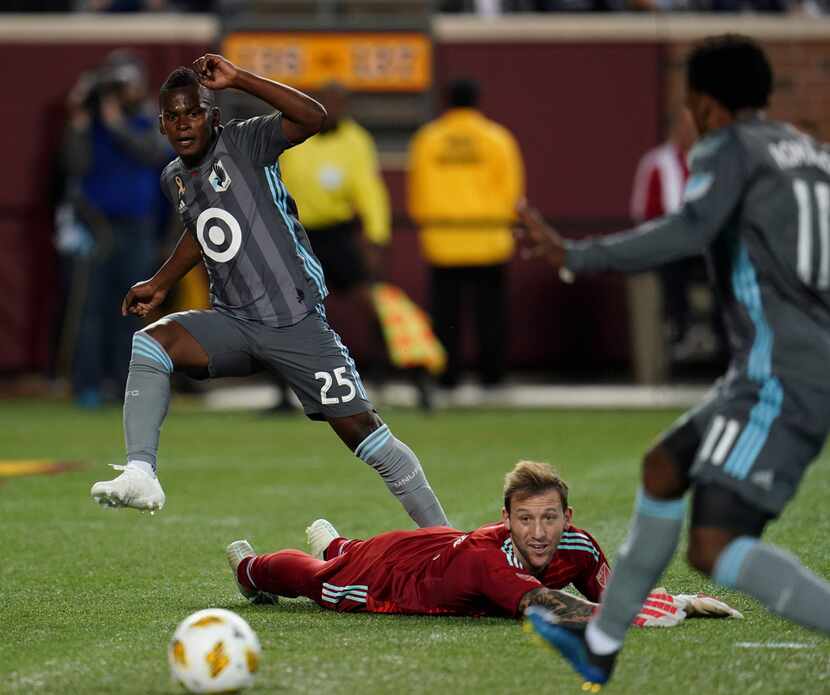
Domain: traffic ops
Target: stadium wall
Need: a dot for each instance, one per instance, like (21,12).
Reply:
(584,96)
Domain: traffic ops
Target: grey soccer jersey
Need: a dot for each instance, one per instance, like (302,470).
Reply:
(258,257)
(757,203)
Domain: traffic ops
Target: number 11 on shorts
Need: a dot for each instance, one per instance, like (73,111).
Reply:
(338,376)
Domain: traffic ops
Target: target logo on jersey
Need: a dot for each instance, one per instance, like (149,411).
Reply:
(219,234)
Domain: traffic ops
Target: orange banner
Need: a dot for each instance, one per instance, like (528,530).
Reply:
(396,62)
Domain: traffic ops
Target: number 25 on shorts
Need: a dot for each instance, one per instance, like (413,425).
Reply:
(338,376)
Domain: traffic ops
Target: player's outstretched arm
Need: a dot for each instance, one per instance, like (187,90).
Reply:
(145,296)
(302,116)
(570,610)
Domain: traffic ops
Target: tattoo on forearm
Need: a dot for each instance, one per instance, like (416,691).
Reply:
(569,609)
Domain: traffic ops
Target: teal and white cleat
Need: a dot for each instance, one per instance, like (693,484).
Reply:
(134,488)
(570,642)
(236,552)
(319,536)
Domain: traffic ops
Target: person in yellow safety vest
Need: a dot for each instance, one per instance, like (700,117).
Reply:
(465,178)
(334,177)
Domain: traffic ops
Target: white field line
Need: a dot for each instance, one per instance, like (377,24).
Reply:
(775,645)
(259,396)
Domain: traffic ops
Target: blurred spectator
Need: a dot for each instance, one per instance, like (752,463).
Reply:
(109,223)
(36,6)
(749,5)
(26,6)
(121,5)
(491,8)
(144,5)
(465,178)
(658,190)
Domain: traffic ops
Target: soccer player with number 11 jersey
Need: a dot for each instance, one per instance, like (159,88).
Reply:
(266,287)
(757,205)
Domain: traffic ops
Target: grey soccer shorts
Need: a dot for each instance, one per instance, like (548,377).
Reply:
(753,438)
(309,355)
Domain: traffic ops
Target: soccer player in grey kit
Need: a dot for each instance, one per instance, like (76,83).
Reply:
(266,287)
(757,204)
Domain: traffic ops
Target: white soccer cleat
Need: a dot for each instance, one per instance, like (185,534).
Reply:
(319,536)
(236,552)
(133,488)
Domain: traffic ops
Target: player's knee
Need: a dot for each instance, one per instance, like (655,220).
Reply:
(163,334)
(183,349)
(700,558)
(354,429)
(705,547)
(661,477)
(149,352)
(719,516)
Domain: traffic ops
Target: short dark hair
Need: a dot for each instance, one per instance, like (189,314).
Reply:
(733,70)
(183,78)
(463,93)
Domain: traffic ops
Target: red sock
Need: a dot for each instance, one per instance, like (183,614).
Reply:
(287,573)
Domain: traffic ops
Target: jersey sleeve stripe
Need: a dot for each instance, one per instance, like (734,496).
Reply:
(280,195)
(576,534)
(275,170)
(583,548)
(313,270)
(578,541)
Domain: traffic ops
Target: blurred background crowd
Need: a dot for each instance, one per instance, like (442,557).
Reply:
(408,194)
(486,8)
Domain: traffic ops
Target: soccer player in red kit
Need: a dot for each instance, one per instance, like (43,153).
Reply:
(498,569)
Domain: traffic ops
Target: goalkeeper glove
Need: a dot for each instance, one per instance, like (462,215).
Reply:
(661,609)
(705,606)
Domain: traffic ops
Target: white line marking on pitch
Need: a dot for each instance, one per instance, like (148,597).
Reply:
(774,645)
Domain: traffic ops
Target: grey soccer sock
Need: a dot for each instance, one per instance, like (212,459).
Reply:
(777,579)
(146,398)
(403,475)
(647,551)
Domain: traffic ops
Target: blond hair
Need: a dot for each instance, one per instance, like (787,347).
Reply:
(533,478)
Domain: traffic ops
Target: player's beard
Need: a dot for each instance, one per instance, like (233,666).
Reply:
(534,561)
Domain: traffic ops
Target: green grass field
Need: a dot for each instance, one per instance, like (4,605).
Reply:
(90,597)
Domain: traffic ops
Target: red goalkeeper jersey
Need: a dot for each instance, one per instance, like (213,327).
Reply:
(445,571)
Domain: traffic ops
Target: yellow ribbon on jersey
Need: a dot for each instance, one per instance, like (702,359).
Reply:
(407,330)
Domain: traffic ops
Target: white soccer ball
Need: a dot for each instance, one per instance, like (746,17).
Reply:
(214,651)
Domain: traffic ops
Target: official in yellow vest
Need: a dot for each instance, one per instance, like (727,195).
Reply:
(335,180)
(343,204)
(465,177)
